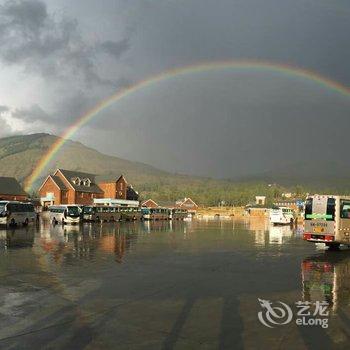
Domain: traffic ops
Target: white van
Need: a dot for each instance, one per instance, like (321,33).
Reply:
(65,214)
(282,216)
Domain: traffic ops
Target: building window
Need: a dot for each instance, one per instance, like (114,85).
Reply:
(76,181)
(87,182)
(50,195)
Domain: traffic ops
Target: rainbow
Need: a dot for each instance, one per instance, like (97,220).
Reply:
(251,65)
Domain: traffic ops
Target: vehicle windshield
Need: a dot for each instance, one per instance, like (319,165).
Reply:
(73,211)
(88,210)
(2,208)
(320,208)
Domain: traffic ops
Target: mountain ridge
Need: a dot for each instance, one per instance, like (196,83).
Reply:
(19,154)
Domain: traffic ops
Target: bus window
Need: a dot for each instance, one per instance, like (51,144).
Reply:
(88,210)
(345,209)
(2,208)
(330,209)
(308,208)
(73,211)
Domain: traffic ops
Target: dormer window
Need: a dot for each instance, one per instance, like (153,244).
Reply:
(76,181)
(87,182)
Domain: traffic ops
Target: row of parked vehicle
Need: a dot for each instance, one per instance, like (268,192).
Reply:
(66,214)
(13,213)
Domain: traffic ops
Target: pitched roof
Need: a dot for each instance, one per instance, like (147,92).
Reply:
(107,178)
(59,182)
(149,202)
(186,202)
(10,186)
(70,175)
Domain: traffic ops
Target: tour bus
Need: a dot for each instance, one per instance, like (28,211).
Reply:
(282,216)
(130,213)
(327,220)
(178,214)
(65,214)
(13,212)
(101,213)
(155,213)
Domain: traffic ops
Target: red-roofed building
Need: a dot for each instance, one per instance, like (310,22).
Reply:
(74,187)
(116,187)
(149,203)
(187,203)
(69,187)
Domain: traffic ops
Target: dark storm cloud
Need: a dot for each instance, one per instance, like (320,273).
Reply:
(298,32)
(62,115)
(115,49)
(53,47)
(28,15)
(225,123)
(31,114)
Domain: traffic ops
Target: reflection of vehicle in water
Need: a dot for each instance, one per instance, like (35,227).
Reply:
(64,214)
(155,213)
(282,216)
(327,220)
(12,213)
(326,277)
(279,234)
(162,226)
(101,213)
(130,213)
(16,238)
(178,214)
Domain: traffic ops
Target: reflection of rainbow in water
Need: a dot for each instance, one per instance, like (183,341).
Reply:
(244,65)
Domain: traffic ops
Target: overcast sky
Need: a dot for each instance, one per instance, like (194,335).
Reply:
(59,58)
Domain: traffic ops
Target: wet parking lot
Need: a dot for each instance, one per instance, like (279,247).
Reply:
(170,285)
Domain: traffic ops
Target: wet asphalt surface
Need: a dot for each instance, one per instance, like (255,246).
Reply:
(167,285)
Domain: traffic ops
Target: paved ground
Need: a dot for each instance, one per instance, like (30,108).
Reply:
(183,285)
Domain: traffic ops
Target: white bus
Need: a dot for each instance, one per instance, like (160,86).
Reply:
(13,213)
(65,214)
(108,213)
(130,213)
(155,213)
(327,220)
(282,216)
(178,214)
